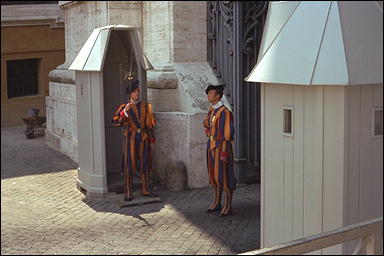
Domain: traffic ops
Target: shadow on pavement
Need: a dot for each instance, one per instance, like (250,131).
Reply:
(240,231)
(21,156)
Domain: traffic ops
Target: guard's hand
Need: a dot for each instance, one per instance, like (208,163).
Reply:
(224,157)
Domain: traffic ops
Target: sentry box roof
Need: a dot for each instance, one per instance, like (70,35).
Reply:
(321,43)
(92,54)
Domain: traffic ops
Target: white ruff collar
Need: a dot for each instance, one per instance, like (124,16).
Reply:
(218,104)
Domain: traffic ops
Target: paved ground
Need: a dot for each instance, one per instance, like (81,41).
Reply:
(42,212)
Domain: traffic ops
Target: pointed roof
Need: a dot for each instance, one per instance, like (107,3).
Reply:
(92,54)
(321,43)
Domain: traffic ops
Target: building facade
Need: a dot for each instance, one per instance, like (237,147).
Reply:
(189,44)
(174,39)
(32,44)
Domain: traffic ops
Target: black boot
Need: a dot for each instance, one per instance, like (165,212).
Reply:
(228,204)
(217,200)
(145,188)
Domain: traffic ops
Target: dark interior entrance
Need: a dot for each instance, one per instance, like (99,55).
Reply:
(119,61)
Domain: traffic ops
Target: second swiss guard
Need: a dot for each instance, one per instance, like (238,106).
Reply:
(219,129)
(138,119)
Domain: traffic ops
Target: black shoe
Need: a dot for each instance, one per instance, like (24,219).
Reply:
(216,209)
(225,214)
(128,198)
(151,194)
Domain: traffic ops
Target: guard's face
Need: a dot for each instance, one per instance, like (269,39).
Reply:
(135,95)
(213,96)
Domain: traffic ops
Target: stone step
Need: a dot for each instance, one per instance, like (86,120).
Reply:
(138,199)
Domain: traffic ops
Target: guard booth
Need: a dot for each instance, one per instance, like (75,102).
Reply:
(110,54)
(320,70)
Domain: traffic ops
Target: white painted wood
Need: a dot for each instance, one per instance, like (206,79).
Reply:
(273,180)
(372,229)
(288,189)
(262,166)
(366,171)
(364,184)
(91,171)
(353,159)
(298,171)
(346,169)
(374,244)
(313,161)
(288,166)
(97,124)
(329,174)
(378,96)
(377,159)
(362,243)
(102,128)
(84,121)
(333,171)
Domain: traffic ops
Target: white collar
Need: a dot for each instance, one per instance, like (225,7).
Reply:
(132,101)
(218,104)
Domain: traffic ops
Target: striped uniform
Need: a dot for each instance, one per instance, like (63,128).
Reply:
(220,132)
(139,123)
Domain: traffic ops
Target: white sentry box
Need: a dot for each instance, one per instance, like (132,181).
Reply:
(320,63)
(100,65)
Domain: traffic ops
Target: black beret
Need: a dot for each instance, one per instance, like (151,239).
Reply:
(132,86)
(219,88)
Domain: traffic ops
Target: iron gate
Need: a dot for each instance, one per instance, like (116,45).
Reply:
(234,37)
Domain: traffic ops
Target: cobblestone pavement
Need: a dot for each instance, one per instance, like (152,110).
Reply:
(42,212)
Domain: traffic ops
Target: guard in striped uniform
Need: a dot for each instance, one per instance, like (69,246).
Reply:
(220,131)
(137,117)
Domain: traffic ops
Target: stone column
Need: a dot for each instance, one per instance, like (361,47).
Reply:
(175,34)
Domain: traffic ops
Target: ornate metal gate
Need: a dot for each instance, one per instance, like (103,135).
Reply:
(234,36)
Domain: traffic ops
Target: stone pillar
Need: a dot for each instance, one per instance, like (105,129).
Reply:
(175,35)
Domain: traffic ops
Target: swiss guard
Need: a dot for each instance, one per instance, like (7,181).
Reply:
(137,118)
(220,131)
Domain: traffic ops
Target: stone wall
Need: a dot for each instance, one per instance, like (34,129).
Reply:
(82,17)
(158,33)
(180,137)
(175,43)
(180,113)
(190,31)
(62,119)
